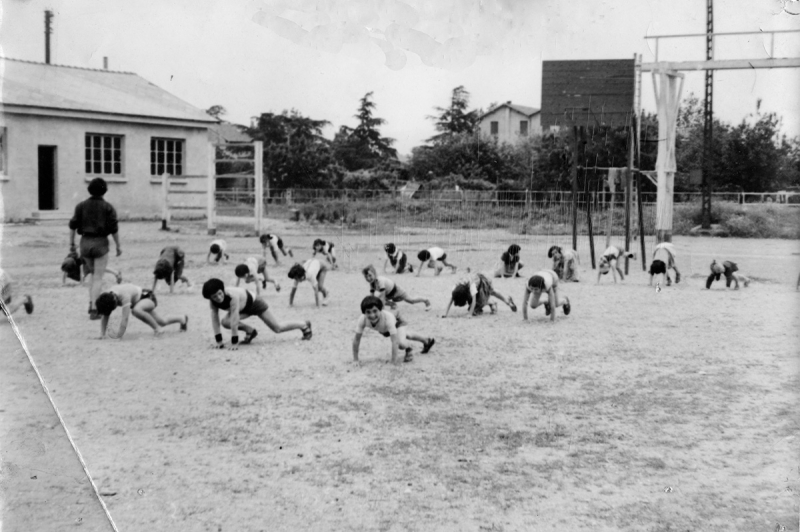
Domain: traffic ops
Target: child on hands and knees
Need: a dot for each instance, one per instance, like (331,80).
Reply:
(397,259)
(565,263)
(728,269)
(511,264)
(610,262)
(137,300)
(217,250)
(240,304)
(436,259)
(275,244)
(388,291)
(314,272)
(326,250)
(10,303)
(663,261)
(169,267)
(254,270)
(390,325)
(475,291)
(544,282)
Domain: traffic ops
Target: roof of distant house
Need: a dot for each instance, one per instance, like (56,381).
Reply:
(223,132)
(47,86)
(523,109)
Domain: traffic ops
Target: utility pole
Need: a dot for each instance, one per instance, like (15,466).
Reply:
(48,17)
(708,120)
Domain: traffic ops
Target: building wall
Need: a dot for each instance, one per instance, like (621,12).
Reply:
(134,193)
(508,124)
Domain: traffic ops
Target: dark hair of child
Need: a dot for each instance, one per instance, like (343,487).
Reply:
(514,249)
(211,287)
(264,239)
(106,303)
(318,242)
(461,295)
(98,187)
(241,270)
(424,255)
(297,272)
(163,269)
(389,248)
(215,249)
(536,283)
(371,302)
(552,250)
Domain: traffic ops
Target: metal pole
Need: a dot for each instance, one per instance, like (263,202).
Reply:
(165,202)
(211,189)
(258,152)
(708,120)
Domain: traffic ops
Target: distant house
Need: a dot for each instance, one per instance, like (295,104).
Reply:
(510,123)
(62,126)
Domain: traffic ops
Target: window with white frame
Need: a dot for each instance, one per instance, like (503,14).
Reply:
(166,155)
(494,127)
(3,158)
(103,154)
(523,128)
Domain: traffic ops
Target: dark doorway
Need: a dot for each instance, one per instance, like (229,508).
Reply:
(48,191)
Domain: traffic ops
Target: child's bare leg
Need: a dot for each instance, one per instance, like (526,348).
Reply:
(507,300)
(559,301)
(321,283)
(143,311)
(163,322)
(280,327)
(415,300)
(410,335)
(451,266)
(619,271)
(274,255)
(96,285)
(535,297)
(117,275)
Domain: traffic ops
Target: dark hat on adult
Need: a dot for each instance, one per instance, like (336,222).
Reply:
(98,187)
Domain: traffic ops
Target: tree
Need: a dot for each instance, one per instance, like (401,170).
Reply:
(455,119)
(217,111)
(296,155)
(363,147)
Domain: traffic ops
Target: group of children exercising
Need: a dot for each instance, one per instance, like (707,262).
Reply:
(379,310)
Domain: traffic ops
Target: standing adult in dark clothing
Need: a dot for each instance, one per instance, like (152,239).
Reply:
(94,220)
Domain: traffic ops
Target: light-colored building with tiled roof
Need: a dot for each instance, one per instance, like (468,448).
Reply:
(62,126)
(510,122)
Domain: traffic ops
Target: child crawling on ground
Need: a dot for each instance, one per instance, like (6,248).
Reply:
(387,291)
(10,303)
(436,258)
(610,262)
(169,267)
(326,250)
(217,250)
(314,272)
(511,265)
(544,282)
(565,263)
(137,300)
(397,258)
(475,291)
(729,270)
(240,304)
(391,325)
(274,243)
(254,270)
(663,261)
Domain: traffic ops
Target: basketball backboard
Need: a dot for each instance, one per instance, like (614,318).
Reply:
(596,92)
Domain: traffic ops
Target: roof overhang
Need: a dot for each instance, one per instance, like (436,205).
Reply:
(51,112)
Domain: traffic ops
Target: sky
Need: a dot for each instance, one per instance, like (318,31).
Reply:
(321,57)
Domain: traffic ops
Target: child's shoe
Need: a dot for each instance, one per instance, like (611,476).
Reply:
(567,308)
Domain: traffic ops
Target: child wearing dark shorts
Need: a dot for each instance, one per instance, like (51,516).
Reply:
(274,243)
(397,258)
(134,300)
(169,267)
(389,324)
(475,291)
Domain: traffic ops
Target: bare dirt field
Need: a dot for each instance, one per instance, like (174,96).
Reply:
(643,411)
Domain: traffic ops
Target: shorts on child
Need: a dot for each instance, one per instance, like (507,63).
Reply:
(256,308)
(94,247)
(397,294)
(657,267)
(149,294)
